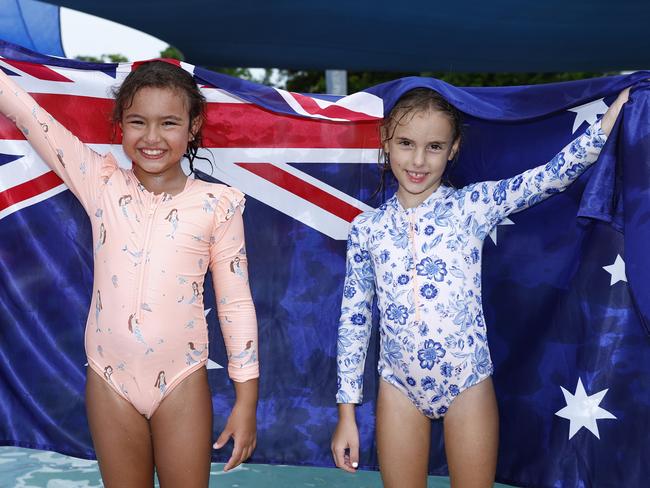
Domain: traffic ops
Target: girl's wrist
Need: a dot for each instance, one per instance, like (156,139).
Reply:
(347,412)
(246,403)
(246,394)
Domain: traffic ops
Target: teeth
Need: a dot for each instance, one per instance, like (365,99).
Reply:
(152,152)
(414,174)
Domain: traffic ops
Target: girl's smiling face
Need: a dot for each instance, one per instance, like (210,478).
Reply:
(156,131)
(419,148)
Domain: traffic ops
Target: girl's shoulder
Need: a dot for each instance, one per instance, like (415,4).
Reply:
(365,218)
(375,215)
(471,191)
(222,199)
(219,191)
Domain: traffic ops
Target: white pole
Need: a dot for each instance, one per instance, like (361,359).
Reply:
(336,81)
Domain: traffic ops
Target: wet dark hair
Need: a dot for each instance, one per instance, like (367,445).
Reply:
(160,74)
(412,102)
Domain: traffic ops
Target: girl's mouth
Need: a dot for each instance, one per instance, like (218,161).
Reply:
(416,177)
(152,153)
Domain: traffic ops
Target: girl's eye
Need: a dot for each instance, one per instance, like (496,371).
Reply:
(169,123)
(136,122)
(435,147)
(404,143)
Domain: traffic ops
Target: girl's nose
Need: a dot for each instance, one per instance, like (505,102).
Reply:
(419,158)
(152,135)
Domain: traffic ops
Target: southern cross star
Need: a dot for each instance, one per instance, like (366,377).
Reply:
(583,410)
(588,112)
(617,270)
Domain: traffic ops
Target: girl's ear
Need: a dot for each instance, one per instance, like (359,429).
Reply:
(383,134)
(454,149)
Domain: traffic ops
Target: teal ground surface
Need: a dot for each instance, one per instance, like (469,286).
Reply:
(27,468)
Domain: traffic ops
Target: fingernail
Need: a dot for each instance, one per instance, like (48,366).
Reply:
(355,464)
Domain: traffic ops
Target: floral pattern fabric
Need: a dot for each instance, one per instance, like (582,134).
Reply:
(424,266)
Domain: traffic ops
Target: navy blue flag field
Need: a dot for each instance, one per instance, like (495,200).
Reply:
(566,292)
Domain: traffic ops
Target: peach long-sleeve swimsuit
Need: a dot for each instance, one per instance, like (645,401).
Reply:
(146,328)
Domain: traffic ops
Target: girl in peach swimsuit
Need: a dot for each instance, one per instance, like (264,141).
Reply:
(155,234)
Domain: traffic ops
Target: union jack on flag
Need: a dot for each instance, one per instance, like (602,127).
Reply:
(252,132)
(565,301)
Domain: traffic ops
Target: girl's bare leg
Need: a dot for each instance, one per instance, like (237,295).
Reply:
(403,440)
(182,434)
(472,437)
(120,435)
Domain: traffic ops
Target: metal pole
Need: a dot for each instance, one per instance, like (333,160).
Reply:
(336,81)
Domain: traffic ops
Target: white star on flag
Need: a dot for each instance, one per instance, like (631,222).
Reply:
(582,410)
(617,270)
(588,112)
(493,232)
(212,365)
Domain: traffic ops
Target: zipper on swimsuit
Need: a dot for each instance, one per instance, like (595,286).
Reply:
(151,215)
(416,303)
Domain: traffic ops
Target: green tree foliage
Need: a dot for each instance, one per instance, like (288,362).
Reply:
(104,58)
(510,79)
(243,73)
(314,81)
(170,52)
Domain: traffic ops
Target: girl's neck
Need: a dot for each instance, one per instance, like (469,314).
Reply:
(410,200)
(172,181)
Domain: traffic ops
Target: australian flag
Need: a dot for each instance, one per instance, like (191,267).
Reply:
(566,289)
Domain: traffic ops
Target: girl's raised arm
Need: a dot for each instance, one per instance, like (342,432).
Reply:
(83,170)
(497,199)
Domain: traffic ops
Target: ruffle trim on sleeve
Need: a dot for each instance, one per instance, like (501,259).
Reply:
(229,201)
(108,166)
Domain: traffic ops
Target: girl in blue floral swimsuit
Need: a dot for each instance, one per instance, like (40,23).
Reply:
(420,253)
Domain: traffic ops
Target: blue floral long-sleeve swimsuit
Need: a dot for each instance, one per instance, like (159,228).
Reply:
(425,265)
